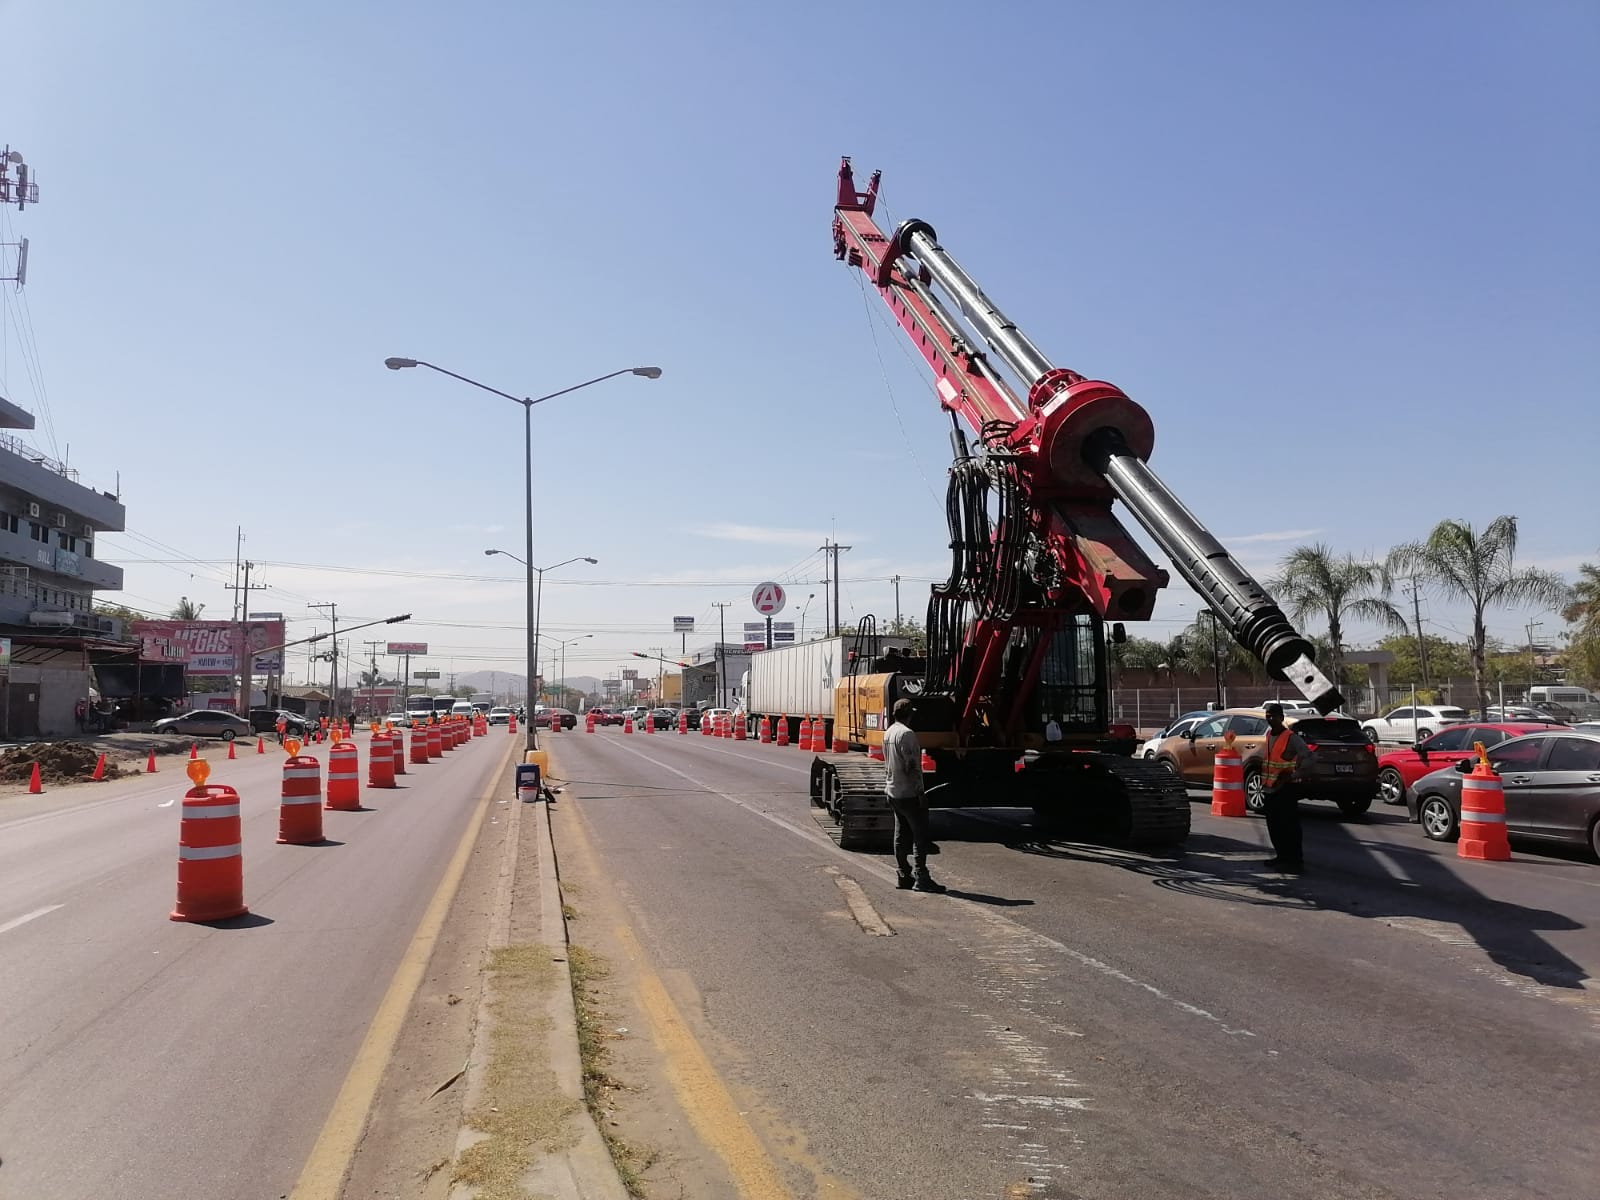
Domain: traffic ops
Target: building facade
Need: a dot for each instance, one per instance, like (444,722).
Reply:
(49,574)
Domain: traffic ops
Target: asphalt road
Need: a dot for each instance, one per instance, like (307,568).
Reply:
(146,1058)
(1079,1021)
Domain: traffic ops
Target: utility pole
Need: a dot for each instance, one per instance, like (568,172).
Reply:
(1422,644)
(333,657)
(722,654)
(896,581)
(241,613)
(832,550)
(372,651)
(1533,665)
(238,552)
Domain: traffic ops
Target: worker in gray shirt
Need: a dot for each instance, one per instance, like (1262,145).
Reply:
(902,760)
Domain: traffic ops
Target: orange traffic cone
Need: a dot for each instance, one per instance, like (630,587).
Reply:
(194,751)
(99,769)
(35,786)
(230,750)
(261,746)
(805,733)
(150,764)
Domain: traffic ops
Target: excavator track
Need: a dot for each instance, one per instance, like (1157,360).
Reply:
(1123,800)
(850,806)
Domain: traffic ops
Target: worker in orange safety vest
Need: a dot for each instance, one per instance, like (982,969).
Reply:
(1280,794)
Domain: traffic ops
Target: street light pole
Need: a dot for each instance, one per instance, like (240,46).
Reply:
(397,364)
(536,592)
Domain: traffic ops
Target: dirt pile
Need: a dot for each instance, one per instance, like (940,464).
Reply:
(59,762)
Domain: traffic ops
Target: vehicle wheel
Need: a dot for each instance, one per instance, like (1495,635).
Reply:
(1391,788)
(1372,734)
(228,735)
(1169,766)
(1424,734)
(1353,807)
(1254,796)
(1438,819)
(1149,753)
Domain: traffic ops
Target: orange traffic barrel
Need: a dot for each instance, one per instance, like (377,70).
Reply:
(447,739)
(300,815)
(649,723)
(380,762)
(210,854)
(705,725)
(344,777)
(683,723)
(435,742)
(783,730)
(1483,815)
(739,730)
(419,744)
(840,745)
(627,725)
(511,723)
(805,733)
(397,750)
(764,729)
(588,722)
(1227,782)
(555,721)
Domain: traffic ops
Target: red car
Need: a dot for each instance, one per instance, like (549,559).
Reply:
(1399,769)
(604,716)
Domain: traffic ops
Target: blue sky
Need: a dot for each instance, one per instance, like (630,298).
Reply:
(1344,254)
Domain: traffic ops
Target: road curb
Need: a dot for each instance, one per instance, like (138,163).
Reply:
(583,1170)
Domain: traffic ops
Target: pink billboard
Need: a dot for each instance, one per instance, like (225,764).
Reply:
(213,647)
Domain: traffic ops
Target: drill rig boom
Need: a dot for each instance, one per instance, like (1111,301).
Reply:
(1070,446)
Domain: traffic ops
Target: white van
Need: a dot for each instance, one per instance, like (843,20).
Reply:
(1559,700)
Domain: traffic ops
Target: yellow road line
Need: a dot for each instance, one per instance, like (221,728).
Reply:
(324,1173)
(705,1098)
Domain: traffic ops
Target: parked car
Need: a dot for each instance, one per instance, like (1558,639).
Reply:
(206,722)
(398,719)
(634,713)
(1587,727)
(1182,725)
(265,720)
(1552,790)
(545,717)
(499,716)
(1343,766)
(712,714)
(1399,769)
(1521,714)
(1410,725)
(1292,707)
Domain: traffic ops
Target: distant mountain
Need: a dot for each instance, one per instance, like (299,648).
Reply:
(506,683)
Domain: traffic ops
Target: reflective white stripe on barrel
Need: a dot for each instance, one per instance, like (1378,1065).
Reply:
(302,799)
(332,775)
(209,813)
(199,852)
(302,772)
(1483,818)
(1228,787)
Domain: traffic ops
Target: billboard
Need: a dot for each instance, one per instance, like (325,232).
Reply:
(629,673)
(782,632)
(408,647)
(682,624)
(755,635)
(214,647)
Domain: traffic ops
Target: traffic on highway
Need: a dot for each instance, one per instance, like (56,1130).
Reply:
(564,638)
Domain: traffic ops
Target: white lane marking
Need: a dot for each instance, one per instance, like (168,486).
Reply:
(995,920)
(26,917)
(860,907)
(168,803)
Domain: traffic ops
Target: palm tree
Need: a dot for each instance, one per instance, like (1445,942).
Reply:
(1479,569)
(1583,611)
(187,610)
(1315,582)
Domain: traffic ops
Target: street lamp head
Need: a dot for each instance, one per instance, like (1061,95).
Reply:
(491,552)
(394,364)
(648,372)
(591,561)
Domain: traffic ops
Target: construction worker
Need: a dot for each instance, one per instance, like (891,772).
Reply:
(1282,755)
(902,784)
(282,727)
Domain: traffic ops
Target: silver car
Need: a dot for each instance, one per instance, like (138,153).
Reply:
(206,722)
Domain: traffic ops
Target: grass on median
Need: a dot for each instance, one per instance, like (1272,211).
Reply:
(631,1161)
(521,1108)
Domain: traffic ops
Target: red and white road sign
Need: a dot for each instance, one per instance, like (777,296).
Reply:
(768,599)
